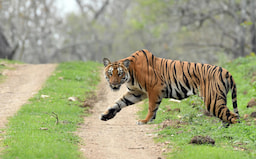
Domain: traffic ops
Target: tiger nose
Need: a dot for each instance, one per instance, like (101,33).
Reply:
(114,82)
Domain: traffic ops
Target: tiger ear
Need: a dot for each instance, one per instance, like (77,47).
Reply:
(106,62)
(126,63)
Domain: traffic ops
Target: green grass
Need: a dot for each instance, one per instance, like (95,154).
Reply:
(237,141)
(33,131)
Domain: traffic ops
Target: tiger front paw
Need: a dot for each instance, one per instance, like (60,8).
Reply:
(142,122)
(109,114)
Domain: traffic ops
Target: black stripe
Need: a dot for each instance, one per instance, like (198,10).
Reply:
(227,75)
(170,93)
(147,66)
(198,80)
(178,95)
(162,61)
(119,106)
(214,68)
(235,104)
(159,102)
(155,110)
(175,80)
(174,68)
(140,86)
(209,105)
(184,90)
(137,96)
(188,68)
(231,82)
(193,90)
(153,60)
(228,115)
(214,106)
(222,93)
(130,89)
(186,80)
(221,79)
(126,101)
(220,110)
(145,56)
(208,67)
(132,78)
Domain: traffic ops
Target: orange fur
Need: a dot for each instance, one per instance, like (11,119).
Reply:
(157,78)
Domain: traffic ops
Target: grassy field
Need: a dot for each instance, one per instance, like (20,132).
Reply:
(179,122)
(43,128)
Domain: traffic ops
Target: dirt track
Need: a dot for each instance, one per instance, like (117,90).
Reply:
(120,137)
(22,82)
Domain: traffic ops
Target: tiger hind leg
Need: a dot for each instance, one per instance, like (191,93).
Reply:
(225,114)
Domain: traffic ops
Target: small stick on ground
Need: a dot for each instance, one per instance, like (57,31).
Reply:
(57,118)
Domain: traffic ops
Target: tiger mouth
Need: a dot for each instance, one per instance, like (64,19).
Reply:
(115,87)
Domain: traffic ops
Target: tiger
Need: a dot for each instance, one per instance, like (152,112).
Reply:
(148,76)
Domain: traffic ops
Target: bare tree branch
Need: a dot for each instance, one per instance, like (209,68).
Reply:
(101,10)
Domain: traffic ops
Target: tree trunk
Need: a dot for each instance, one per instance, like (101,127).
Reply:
(253,27)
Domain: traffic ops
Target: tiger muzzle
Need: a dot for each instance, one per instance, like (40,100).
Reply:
(115,87)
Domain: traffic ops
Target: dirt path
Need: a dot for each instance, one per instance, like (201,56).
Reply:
(120,137)
(21,83)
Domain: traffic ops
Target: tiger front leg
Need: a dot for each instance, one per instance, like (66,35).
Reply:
(129,98)
(154,102)
(110,113)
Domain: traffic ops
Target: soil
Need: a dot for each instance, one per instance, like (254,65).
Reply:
(202,140)
(120,137)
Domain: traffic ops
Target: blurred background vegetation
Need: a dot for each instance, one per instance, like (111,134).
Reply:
(208,31)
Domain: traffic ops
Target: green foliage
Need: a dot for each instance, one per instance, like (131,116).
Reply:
(178,127)
(34,132)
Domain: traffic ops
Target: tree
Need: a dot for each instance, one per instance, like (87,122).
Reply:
(32,25)
(230,19)
(209,26)
(5,49)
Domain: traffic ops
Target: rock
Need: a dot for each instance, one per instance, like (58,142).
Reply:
(43,128)
(173,110)
(174,100)
(202,140)
(72,99)
(44,96)
(251,103)
(253,115)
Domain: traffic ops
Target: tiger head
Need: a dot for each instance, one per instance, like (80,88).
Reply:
(116,73)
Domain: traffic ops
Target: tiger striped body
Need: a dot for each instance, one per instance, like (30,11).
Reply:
(147,76)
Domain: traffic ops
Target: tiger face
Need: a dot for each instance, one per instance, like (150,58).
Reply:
(116,73)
